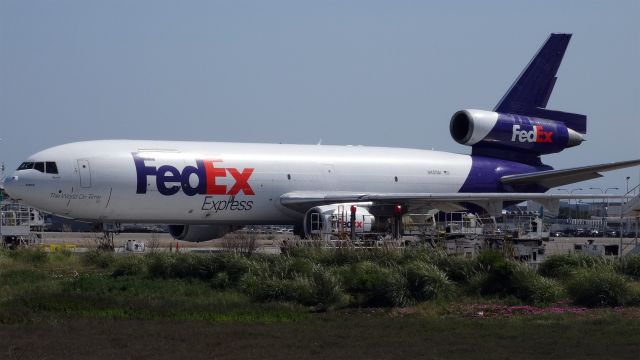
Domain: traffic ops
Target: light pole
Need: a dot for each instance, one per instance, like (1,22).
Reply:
(1,169)
(578,202)
(605,215)
(625,200)
(571,193)
(569,201)
(628,177)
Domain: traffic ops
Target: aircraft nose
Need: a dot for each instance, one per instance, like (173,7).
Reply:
(11,186)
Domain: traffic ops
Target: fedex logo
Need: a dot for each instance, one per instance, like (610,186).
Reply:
(347,224)
(170,180)
(537,135)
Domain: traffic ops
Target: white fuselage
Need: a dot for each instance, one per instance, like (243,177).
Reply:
(124,180)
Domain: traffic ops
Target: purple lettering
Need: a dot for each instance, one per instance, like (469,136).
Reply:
(162,179)
(200,174)
(142,171)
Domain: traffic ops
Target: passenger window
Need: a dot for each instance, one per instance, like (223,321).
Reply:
(52,168)
(39,166)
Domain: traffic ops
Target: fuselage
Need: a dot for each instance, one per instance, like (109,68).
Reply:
(232,183)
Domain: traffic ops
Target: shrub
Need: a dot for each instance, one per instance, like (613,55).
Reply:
(33,256)
(594,288)
(533,288)
(384,256)
(131,265)
(159,265)
(633,298)
(311,252)
(558,266)
(458,269)
(477,282)
(321,288)
(221,280)
(236,266)
(499,276)
(427,282)
(373,285)
(327,289)
(630,266)
(185,265)
(21,277)
(62,255)
(98,258)
(211,266)
(342,256)
(265,288)
(562,266)
(499,272)
(489,260)
(288,267)
(420,254)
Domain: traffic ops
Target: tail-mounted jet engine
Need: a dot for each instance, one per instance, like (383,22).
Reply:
(487,129)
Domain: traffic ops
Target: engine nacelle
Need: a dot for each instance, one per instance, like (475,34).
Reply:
(489,129)
(334,219)
(199,233)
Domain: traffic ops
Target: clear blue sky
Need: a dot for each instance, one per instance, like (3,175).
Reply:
(387,73)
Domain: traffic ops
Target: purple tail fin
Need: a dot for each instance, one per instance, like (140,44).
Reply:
(530,93)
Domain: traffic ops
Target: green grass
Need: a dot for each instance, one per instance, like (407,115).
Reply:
(315,304)
(102,296)
(38,285)
(350,334)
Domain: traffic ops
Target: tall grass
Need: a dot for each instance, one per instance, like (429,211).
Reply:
(318,279)
(98,258)
(376,286)
(630,266)
(596,288)
(31,256)
(563,266)
(533,288)
(496,275)
(131,265)
(427,282)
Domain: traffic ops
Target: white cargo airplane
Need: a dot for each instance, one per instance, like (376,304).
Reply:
(204,189)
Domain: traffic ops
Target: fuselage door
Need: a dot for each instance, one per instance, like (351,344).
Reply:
(85,173)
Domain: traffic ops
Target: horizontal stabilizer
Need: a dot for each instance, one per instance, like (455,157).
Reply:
(553,178)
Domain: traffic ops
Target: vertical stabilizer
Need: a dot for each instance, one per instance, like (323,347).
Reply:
(529,94)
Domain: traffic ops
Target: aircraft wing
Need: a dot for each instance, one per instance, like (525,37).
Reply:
(492,202)
(553,178)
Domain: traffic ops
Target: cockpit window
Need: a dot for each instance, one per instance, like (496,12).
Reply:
(52,168)
(25,166)
(39,166)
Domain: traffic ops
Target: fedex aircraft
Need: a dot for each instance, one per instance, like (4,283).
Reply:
(204,189)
